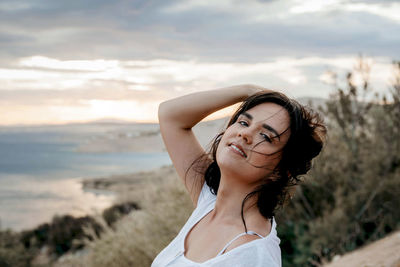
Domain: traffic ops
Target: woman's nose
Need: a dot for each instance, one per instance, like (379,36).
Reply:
(246,135)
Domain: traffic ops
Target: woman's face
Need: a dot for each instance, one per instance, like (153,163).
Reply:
(251,147)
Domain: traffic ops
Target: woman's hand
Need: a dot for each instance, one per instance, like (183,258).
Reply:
(253,89)
(249,90)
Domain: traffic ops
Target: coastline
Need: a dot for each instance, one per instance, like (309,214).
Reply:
(60,209)
(122,183)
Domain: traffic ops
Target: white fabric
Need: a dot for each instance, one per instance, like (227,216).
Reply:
(263,252)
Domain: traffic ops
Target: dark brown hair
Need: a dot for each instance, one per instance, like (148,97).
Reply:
(307,134)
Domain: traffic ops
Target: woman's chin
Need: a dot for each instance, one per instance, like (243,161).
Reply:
(231,161)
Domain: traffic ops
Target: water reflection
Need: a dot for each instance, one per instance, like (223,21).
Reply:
(25,203)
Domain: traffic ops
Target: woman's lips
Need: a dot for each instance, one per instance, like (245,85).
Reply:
(238,149)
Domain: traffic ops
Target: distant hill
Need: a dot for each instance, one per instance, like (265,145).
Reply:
(115,121)
(99,122)
(109,120)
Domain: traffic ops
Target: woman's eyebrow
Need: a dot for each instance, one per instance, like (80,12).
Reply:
(269,128)
(247,115)
(266,126)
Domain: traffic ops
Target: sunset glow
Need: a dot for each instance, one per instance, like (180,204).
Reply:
(111,66)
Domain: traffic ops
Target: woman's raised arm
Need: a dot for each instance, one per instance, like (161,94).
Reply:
(177,117)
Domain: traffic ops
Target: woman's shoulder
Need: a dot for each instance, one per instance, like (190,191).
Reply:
(265,249)
(259,252)
(205,196)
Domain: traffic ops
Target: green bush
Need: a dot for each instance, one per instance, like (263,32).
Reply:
(117,211)
(350,197)
(13,252)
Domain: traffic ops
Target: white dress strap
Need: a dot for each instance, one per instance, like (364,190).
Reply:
(236,237)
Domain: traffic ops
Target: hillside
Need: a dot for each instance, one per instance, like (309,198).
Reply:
(384,252)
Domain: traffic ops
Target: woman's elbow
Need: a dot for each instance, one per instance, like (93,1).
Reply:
(163,111)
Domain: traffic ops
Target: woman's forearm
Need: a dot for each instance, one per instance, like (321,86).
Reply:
(186,111)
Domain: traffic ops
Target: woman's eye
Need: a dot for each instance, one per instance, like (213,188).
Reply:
(243,123)
(266,137)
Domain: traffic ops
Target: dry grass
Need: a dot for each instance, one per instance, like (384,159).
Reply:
(141,235)
(383,252)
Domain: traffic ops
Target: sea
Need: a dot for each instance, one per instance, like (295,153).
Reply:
(41,169)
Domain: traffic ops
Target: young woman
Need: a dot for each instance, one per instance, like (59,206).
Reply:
(247,174)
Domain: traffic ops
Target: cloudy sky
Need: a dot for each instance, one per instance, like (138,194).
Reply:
(73,61)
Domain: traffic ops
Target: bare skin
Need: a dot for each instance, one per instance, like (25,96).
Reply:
(239,176)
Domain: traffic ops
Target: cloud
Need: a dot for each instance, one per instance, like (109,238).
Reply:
(390,11)
(95,53)
(248,31)
(385,9)
(133,89)
(79,65)
(113,79)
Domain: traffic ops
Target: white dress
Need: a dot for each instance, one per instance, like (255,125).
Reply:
(263,252)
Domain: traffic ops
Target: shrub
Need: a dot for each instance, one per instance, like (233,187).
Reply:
(12,251)
(115,212)
(351,196)
(137,238)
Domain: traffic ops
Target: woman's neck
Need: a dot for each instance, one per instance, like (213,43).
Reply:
(228,205)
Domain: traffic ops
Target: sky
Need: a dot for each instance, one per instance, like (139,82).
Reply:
(75,61)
